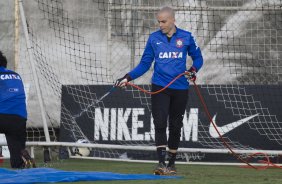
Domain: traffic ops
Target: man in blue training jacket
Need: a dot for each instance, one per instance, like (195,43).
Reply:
(13,115)
(168,47)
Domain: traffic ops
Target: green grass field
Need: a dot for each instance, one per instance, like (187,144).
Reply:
(192,174)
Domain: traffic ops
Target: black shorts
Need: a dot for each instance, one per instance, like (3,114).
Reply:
(168,108)
(12,124)
(14,128)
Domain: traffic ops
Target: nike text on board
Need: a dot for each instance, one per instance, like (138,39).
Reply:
(113,124)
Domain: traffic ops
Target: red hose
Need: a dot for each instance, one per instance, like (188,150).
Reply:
(210,119)
(155,92)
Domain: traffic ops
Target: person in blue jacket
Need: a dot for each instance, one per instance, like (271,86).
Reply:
(168,47)
(13,115)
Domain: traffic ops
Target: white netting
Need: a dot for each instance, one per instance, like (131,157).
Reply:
(77,44)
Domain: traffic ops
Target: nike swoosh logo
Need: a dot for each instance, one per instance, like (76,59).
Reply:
(227,128)
(158,43)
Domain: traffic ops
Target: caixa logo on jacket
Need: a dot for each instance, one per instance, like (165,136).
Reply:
(9,76)
(164,55)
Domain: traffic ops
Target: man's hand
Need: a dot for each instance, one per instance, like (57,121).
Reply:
(122,82)
(191,74)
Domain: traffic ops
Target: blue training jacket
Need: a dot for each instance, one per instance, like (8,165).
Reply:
(12,95)
(170,58)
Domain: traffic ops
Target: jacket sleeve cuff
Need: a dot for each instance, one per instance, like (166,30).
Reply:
(192,69)
(127,76)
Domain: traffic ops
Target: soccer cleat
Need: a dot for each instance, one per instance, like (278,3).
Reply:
(28,161)
(160,169)
(171,170)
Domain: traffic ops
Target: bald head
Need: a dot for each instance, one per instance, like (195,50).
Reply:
(166,19)
(167,10)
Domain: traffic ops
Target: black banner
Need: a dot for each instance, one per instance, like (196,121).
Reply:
(248,117)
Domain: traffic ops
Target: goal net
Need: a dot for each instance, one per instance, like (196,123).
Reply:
(80,47)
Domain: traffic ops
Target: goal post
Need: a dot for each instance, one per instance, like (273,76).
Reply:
(34,72)
(71,52)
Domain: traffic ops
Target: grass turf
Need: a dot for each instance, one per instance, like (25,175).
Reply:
(192,174)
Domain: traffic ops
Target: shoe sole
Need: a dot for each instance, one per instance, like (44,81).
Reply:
(159,172)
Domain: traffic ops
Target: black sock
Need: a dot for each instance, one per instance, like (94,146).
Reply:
(161,151)
(171,158)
